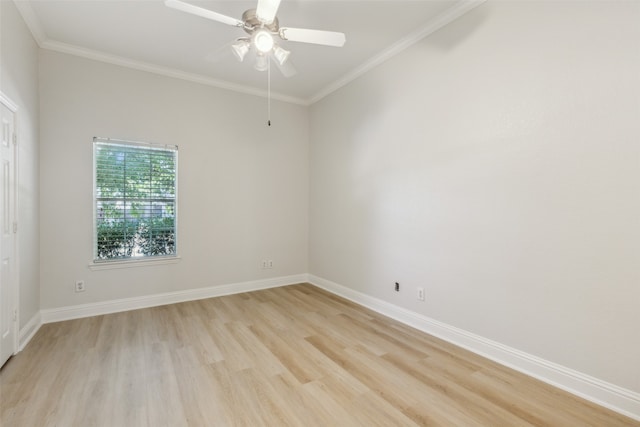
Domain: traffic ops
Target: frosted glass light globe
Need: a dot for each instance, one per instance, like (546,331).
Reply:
(263,41)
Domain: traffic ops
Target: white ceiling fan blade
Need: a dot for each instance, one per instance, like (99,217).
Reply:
(266,10)
(205,13)
(327,38)
(287,69)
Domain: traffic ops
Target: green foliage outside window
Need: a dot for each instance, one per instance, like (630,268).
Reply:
(135,201)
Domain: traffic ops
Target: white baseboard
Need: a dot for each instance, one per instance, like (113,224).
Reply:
(126,304)
(621,400)
(28,331)
(616,398)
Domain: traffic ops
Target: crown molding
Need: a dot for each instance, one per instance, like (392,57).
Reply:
(451,14)
(31,19)
(163,71)
(44,42)
(34,25)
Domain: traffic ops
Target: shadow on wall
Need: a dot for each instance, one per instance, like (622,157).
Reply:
(460,29)
(376,149)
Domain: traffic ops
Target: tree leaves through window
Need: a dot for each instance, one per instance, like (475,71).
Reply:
(135,200)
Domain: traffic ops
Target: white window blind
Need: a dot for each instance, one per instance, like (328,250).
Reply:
(134,199)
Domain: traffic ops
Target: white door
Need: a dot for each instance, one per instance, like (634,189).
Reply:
(8,286)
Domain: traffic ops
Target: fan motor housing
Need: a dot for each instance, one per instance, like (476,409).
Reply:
(252,23)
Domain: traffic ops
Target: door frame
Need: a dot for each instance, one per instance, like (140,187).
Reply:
(15,285)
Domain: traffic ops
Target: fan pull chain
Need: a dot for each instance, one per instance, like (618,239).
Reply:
(269,90)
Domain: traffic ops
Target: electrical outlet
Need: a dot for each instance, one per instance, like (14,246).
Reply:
(420,294)
(267,263)
(397,288)
(80,286)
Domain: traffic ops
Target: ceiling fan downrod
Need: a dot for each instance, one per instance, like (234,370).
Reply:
(268,91)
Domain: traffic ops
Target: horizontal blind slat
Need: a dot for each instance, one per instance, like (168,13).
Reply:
(135,202)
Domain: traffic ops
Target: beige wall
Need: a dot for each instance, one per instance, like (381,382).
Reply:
(243,187)
(495,163)
(19,82)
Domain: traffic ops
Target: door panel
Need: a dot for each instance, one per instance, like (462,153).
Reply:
(8,285)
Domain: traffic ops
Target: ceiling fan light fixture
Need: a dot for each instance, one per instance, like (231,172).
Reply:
(261,62)
(281,54)
(263,41)
(262,26)
(240,49)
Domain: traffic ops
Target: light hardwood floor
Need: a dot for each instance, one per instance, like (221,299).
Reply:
(291,356)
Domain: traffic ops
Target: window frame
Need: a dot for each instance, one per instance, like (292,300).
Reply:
(132,261)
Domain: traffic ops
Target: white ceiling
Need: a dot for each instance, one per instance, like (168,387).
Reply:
(145,34)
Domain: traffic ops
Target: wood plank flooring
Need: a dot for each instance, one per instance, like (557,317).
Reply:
(291,356)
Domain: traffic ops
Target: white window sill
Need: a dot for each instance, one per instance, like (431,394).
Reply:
(110,265)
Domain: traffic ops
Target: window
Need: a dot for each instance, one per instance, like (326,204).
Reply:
(134,200)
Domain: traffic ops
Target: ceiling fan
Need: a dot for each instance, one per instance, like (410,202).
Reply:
(261,24)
